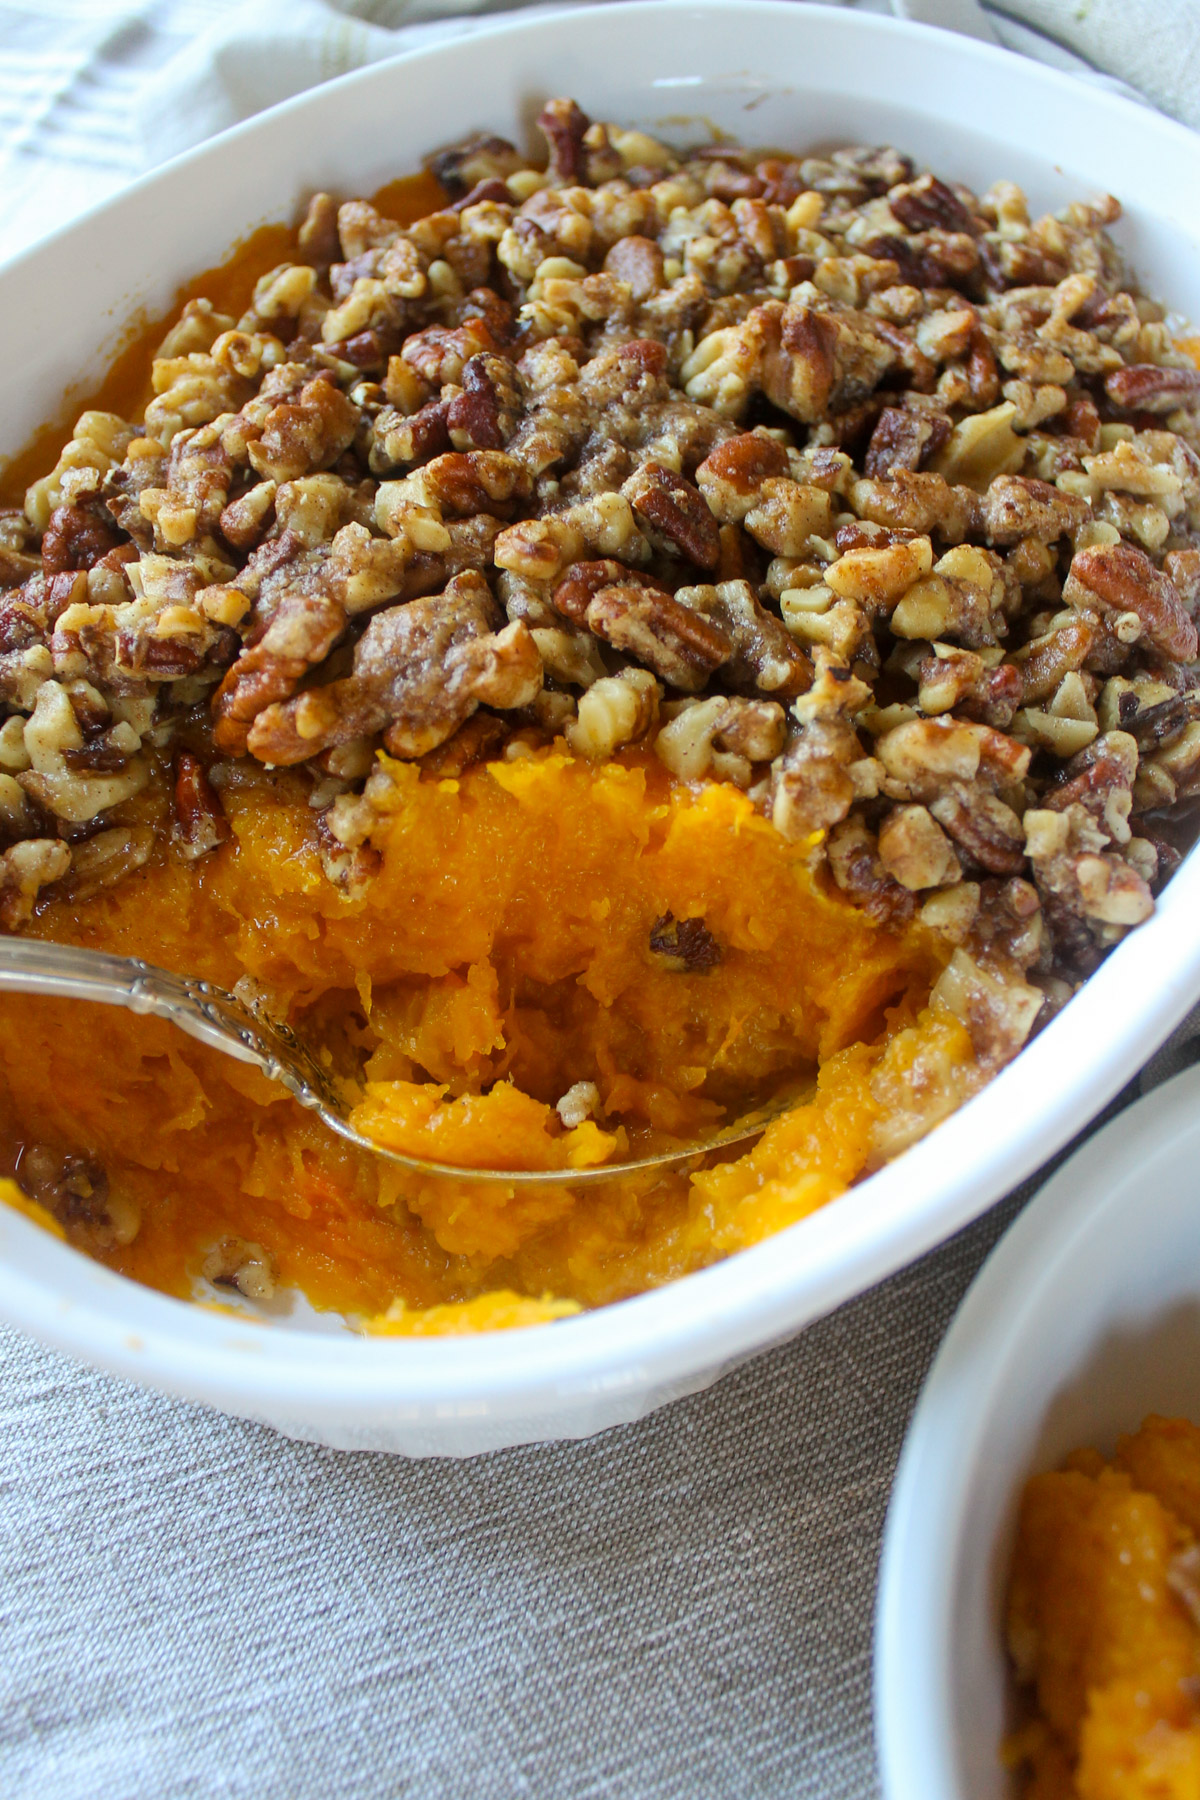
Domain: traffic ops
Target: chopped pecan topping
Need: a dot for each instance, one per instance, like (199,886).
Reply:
(200,822)
(680,645)
(988,830)
(678,510)
(857,864)
(914,849)
(901,439)
(302,632)
(1121,578)
(420,670)
(565,127)
(732,474)
(76,538)
(639,261)
(927,204)
(818,475)
(1017,508)
(486,414)
(1145,387)
(237,1263)
(476,159)
(763,655)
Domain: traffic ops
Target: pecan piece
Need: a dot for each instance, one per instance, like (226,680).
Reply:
(650,625)
(1081,420)
(440,353)
(639,261)
(244,520)
(687,945)
(491,188)
(75,1189)
(475,742)
(1044,661)
(816,363)
(583,580)
(479,158)
(237,1263)
(957,680)
(915,851)
(25,869)
(902,437)
(564,126)
(317,238)
(1081,886)
(467,482)
(983,375)
(986,828)
(302,632)
(76,538)
(99,756)
(1122,579)
(733,472)
(199,818)
(632,374)
(363,351)
(1183,568)
(420,670)
(1145,387)
(813,787)
(678,510)
(1099,781)
(487,412)
(915,267)
(858,867)
(927,204)
(1018,506)
(309,432)
(397,440)
(919,501)
(861,534)
(764,657)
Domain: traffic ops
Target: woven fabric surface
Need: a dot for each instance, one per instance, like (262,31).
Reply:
(193,1607)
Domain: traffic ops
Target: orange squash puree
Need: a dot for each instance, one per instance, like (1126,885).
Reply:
(126,386)
(501,1311)
(1103,1621)
(500,954)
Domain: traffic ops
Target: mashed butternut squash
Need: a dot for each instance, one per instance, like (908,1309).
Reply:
(1104,1621)
(502,952)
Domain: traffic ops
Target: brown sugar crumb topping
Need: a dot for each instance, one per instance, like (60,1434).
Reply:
(818,475)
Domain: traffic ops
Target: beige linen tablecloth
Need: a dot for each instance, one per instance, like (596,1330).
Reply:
(192,1608)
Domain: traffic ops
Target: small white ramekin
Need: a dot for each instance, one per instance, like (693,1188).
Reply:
(1085,1318)
(767,73)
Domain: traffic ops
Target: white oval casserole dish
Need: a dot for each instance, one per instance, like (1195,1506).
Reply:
(766,73)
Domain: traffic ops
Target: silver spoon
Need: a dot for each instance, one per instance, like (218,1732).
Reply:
(220,1019)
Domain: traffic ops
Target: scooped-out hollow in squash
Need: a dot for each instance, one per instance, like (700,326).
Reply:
(530,926)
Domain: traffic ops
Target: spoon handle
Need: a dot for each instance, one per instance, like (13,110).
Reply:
(205,1012)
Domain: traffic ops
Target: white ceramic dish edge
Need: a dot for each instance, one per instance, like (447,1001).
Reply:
(462,1396)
